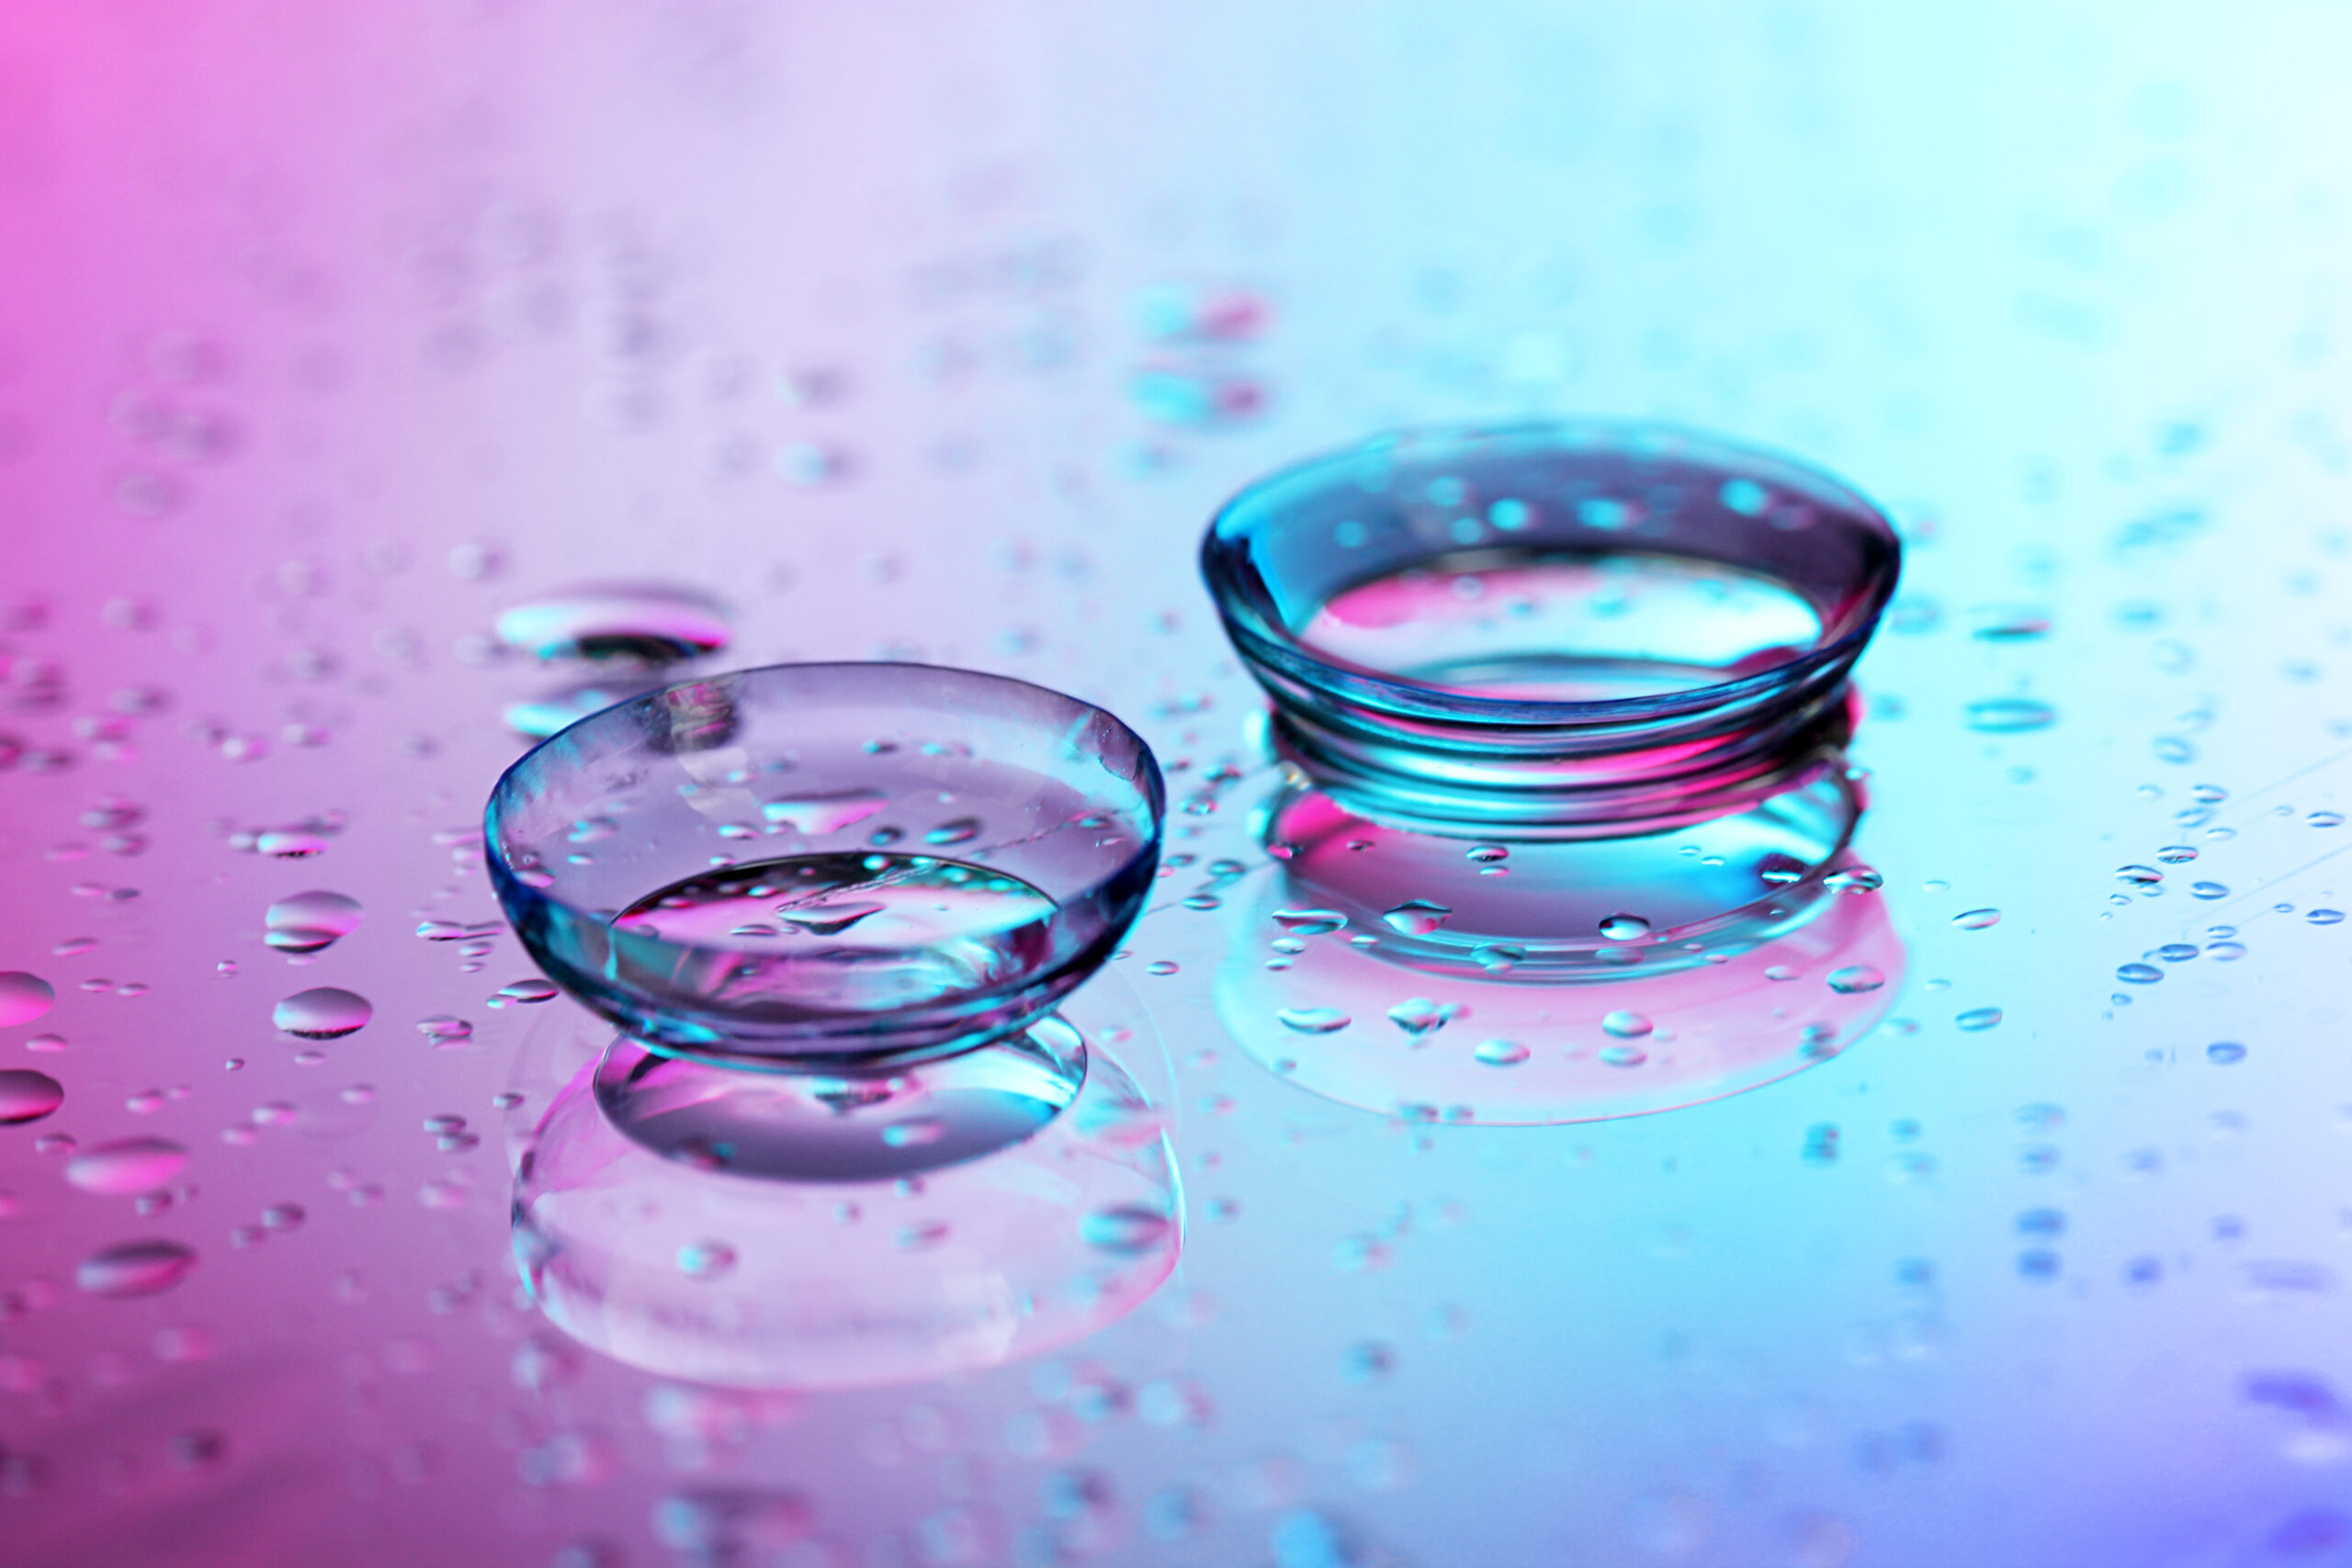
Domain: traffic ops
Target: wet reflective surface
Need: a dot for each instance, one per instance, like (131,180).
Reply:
(380,388)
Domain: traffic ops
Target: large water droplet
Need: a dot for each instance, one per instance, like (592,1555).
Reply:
(516,992)
(1625,927)
(1313,1020)
(641,623)
(1417,917)
(2010,716)
(24,998)
(323,1012)
(27,1096)
(127,1166)
(134,1269)
(310,922)
(2138,973)
(1625,1025)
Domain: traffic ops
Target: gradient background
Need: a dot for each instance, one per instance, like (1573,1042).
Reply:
(446,304)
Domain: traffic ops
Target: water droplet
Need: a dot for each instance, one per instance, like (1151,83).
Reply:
(1977,919)
(1161,966)
(1623,1056)
(1487,854)
(24,998)
(2325,819)
(1856,979)
(27,1096)
(1313,1020)
(2010,716)
(1625,927)
(441,1030)
(816,814)
(962,830)
(2138,875)
(2175,854)
(2324,917)
(127,1166)
(291,843)
(1417,917)
(1502,1053)
(323,1012)
(2225,1052)
(1625,1025)
(134,1269)
(921,1235)
(1976,1020)
(1854,879)
(637,624)
(311,922)
(705,1259)
(2208,890)
(524,992)
(1419,1017)
(2138,973)
(1310,922)
(1125,1230)
(915,1132)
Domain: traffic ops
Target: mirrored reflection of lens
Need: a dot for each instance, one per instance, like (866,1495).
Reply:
(664,1258)
(1426,1044)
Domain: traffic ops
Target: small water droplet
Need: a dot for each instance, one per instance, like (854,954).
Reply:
(2325,819)
(1417,917)
(1501,1052)
(325,1012)
(1419,1017)
(1976,1020)
(1125,1230)
(2225,1052)
(705,1259)
(1856,979)
(127,1166)
(1977,919)
(1625,1025)
(962,830)
(2175,854)
(2138,973)
(2138,875)
(816,814)
(1623,1056)
(1625,927)
(2324,917)
(1313,1020)
(2008,715)
(1161,966)
(134,1269)
(1854,879)
(291,843)
(915,1132)
(1487,854)
(27,1096)
(516,993)
(443,1029)
(1310,922)
(2208,890)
